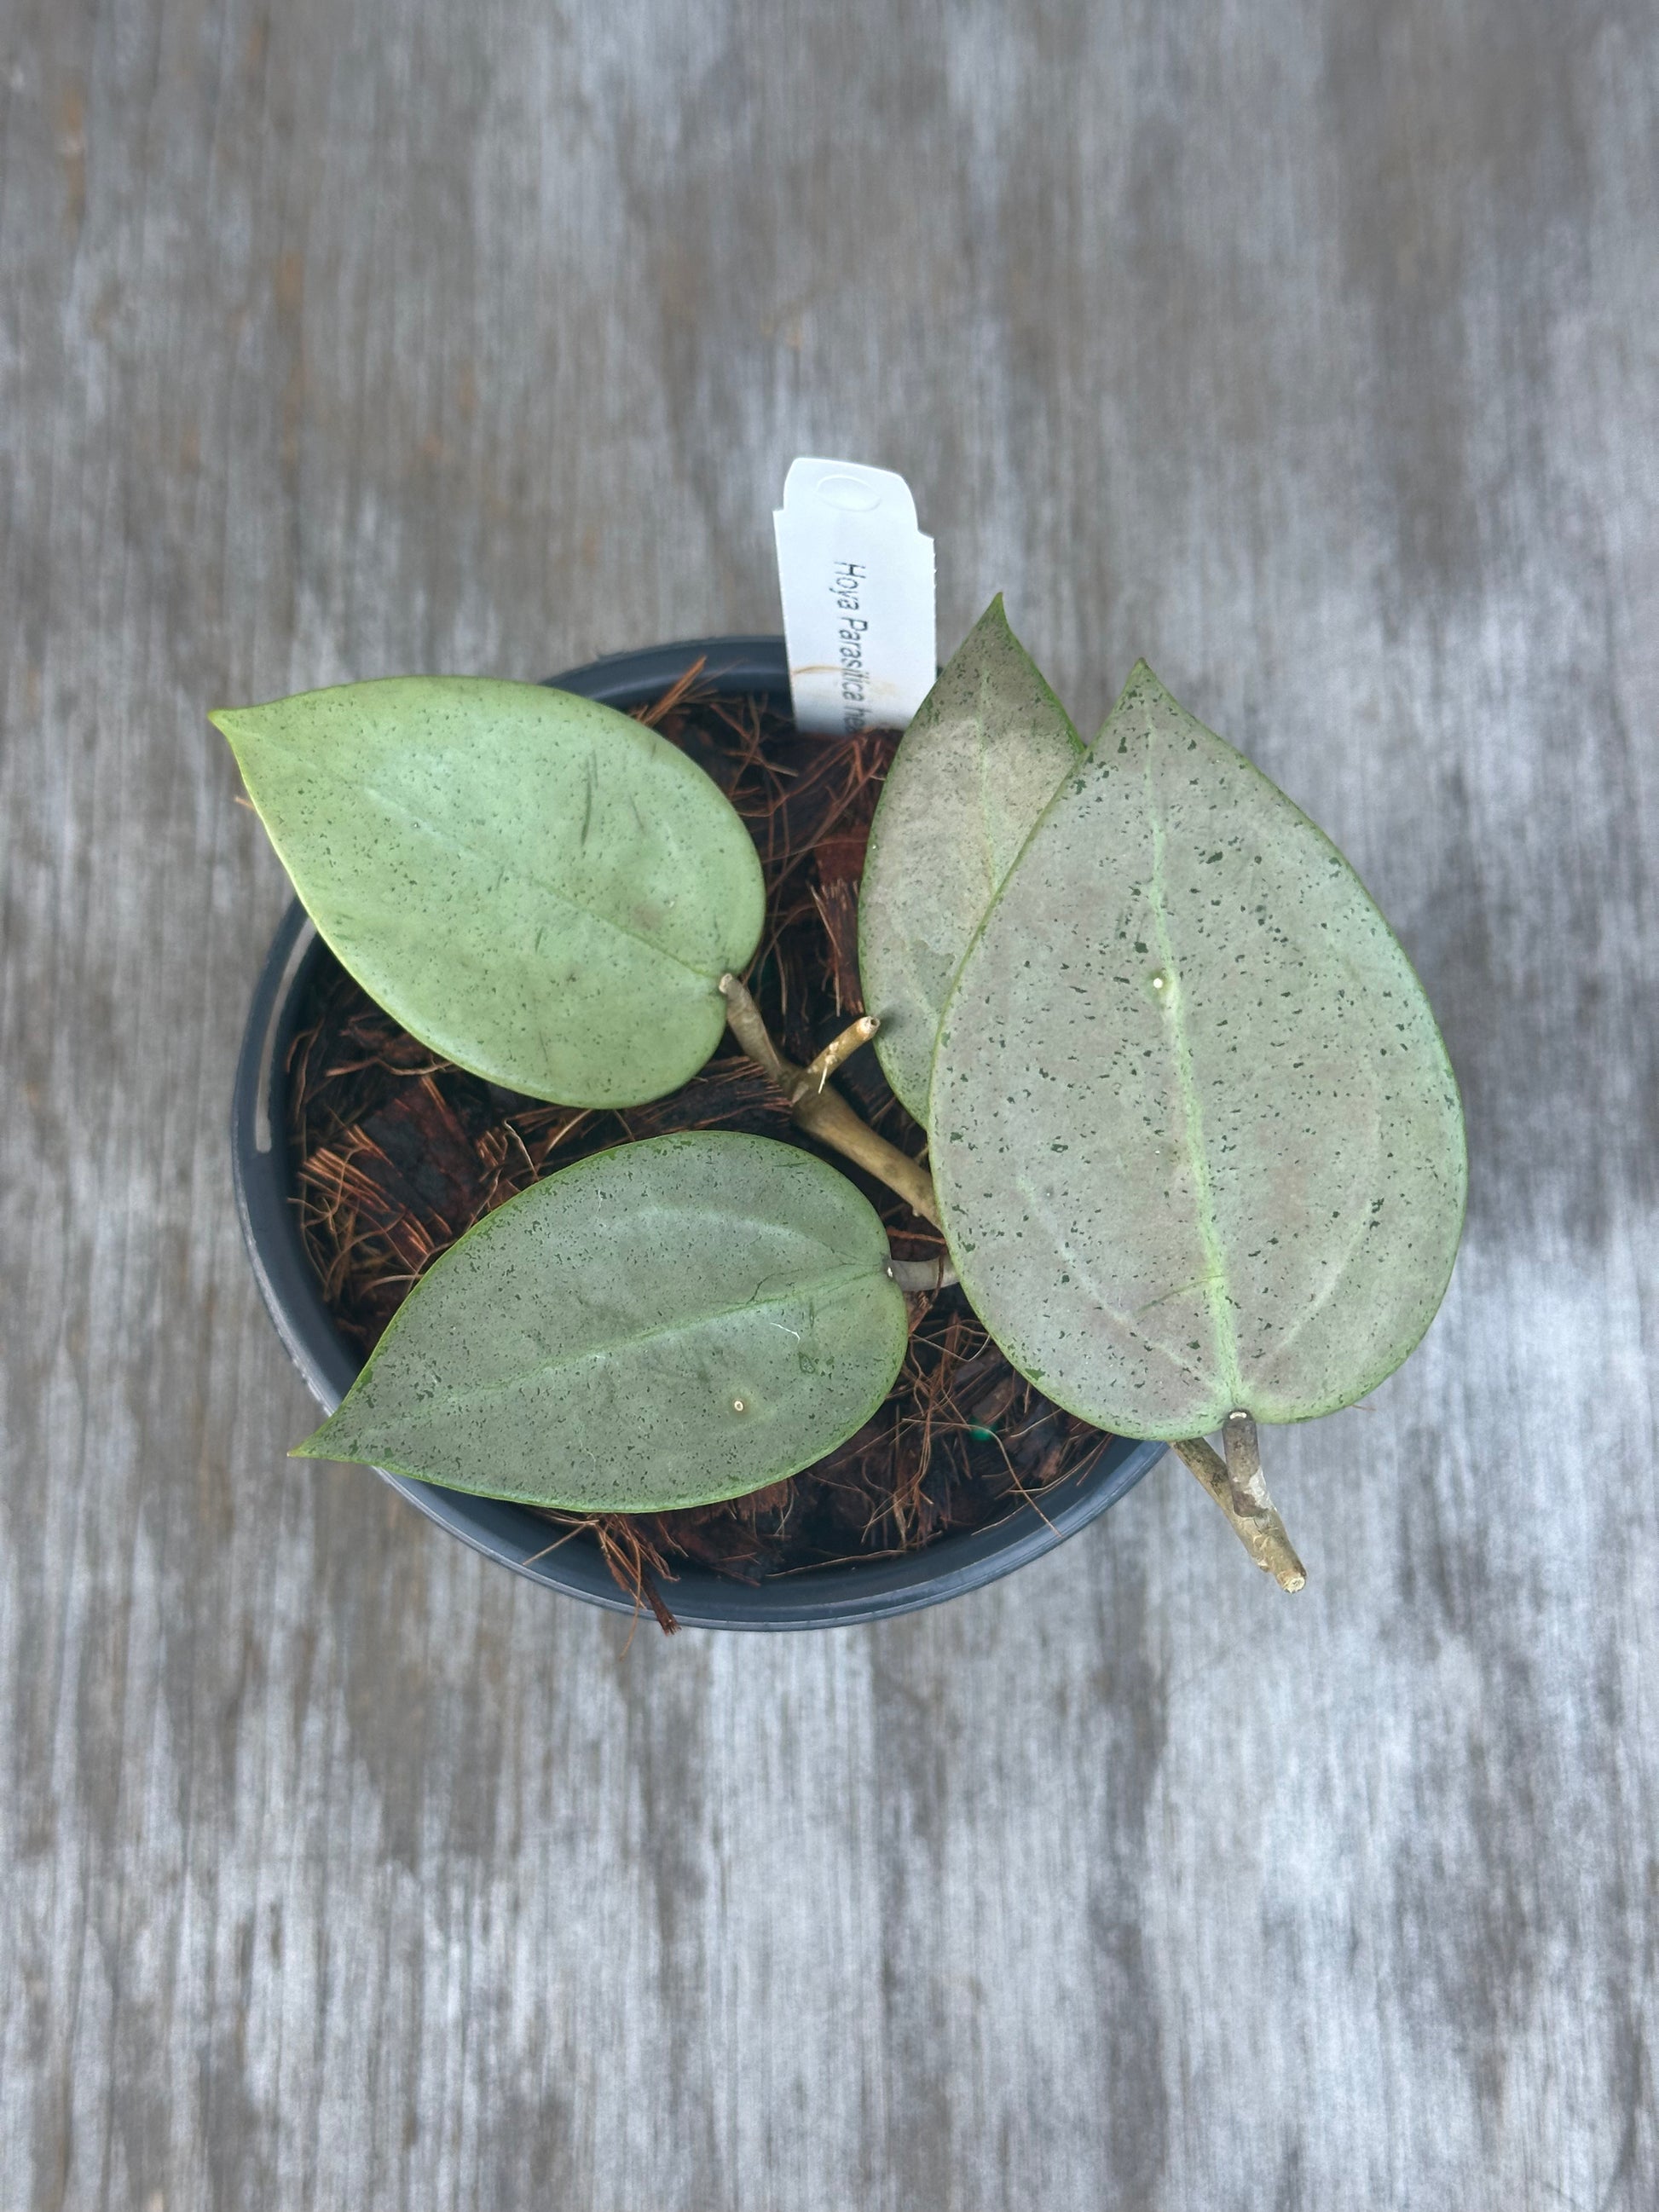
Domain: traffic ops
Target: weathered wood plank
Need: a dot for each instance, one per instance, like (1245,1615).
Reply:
(1306,349)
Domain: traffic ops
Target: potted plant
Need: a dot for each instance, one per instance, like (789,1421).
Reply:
(1193,1146)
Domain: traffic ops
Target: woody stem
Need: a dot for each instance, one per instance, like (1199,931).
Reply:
(1237,1486)
(822,1112)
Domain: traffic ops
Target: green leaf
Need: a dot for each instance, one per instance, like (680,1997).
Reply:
(1195,1136)
(664,1325)
(538,887)
(978,764)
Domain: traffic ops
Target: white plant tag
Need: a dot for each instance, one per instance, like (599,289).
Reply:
(857,579)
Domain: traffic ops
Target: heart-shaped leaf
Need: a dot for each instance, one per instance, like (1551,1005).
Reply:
(664,1325)
(974,771)
(1195,1136)
(538,887)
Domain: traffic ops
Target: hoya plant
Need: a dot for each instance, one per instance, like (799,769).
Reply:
(1194,1145)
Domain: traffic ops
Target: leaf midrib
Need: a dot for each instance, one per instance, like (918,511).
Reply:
(982,750)
(507,866)
(455,1398)
(1217,1294)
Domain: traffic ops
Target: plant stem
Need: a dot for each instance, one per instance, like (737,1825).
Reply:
(1238,1486)
(916,1276)
(822,1112)
(840,1048)
(1242,1450)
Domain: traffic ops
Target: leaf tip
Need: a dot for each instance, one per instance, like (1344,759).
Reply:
(234,724)
(994,621)
(320,1445)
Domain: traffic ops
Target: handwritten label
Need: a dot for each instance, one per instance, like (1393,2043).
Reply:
(857,579)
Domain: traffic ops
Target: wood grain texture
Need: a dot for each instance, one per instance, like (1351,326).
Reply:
(1307,349)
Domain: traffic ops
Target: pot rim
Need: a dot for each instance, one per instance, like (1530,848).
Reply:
(817,1597)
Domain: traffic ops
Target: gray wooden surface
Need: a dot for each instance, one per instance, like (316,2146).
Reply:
(1309,349)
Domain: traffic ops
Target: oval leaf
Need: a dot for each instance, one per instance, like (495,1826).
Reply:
(535,886)
(1195,1136)
(664,1325)
(974,770)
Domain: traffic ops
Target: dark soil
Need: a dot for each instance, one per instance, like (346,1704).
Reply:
(400,1153)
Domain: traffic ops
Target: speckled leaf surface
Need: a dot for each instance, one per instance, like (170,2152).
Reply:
(663,1325)
(534,884)
(1194,1132)
(972,775)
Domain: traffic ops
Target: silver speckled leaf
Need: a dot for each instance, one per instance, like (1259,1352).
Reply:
(667,1324)
(538,887)
(1195,1136)
(973,773)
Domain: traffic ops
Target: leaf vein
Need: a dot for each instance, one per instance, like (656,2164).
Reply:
(1215,1292)
(809,1287)
(409,814)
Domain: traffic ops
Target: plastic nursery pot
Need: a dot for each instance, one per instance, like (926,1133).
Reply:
(820,1597)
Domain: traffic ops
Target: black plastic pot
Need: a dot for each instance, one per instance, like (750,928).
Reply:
(825,1597)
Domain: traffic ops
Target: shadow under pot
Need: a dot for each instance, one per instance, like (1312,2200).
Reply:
(1014,1512)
